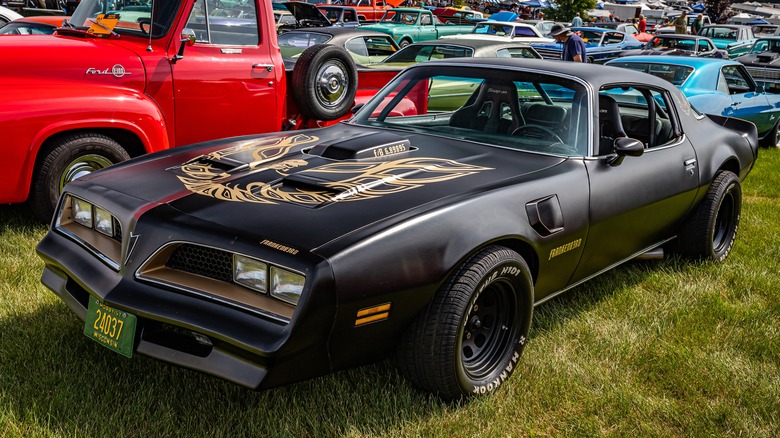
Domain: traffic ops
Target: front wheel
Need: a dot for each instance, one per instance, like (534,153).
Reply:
(69,158)
(470,337)
(404,43)
(710,232)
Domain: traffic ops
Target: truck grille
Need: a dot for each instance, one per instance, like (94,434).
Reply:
(764,73)
(549,53)
(201,260)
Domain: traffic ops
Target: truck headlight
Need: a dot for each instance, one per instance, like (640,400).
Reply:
(286,285)
(250,273)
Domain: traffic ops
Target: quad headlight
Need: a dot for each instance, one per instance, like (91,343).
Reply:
(261,277)
(91,216)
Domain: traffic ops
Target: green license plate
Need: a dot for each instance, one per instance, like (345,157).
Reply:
(112,328)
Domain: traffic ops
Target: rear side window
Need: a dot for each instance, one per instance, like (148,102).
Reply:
(235,26)
(676,74)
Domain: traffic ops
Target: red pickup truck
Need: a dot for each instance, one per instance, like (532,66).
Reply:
(371,10)
(124,78)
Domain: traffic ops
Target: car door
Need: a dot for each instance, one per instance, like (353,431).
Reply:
(611,45)
(226,83)
(639,202)
(746,103)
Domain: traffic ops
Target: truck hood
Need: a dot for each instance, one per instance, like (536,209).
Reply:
(50,58)
(306,189)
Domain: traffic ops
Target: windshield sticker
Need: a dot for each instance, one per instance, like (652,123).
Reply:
(103,25)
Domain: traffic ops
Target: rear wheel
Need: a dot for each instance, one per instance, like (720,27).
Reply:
(710,232)
(69,158)
(772,139)
(470,337)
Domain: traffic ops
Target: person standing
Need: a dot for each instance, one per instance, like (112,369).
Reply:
(697,25)
(573,46)
(681,24)
(642,25)
(576,21)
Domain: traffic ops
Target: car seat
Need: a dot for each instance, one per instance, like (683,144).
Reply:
(495,109)
(610,124)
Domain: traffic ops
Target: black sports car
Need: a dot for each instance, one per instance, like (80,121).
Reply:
(763,62)
(462,195)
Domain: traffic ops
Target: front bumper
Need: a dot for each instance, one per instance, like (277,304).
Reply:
(196,332)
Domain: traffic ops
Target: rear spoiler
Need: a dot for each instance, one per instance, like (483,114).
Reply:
(746,129)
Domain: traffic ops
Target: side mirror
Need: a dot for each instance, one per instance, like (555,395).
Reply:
(187,39)
(760,89)
(626,147)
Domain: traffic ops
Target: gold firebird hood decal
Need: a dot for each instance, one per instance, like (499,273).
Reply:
(360,180)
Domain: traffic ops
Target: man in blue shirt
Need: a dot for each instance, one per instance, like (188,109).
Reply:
(576,21)
(573,46)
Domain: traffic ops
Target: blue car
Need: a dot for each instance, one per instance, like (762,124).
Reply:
(716,86)
(601,45)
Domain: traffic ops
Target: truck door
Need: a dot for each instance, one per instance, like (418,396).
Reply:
(226,84)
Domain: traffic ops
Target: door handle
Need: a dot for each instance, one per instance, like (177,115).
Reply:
(690,165)
(267,67)
(735,104)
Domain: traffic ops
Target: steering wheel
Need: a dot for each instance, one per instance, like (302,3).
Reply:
(146,25)
(551,135)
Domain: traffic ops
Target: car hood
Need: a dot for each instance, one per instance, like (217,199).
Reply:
(308,12)
(48,58)
(764,58)
(307,189)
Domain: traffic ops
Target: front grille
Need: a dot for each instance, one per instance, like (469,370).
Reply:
(549,53)
(201,260)
(764,73)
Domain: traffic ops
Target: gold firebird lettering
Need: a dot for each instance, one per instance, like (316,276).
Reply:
(555,252)
(356,181)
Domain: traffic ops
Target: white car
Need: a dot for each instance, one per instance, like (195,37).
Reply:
(7,15)
(504,31)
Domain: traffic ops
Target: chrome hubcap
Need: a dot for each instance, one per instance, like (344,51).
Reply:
(332,83)
(83,165)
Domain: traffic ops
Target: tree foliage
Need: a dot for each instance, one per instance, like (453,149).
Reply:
(565,10)
(717,8)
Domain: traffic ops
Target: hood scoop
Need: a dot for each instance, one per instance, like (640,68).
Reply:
(372,145)
(766,57)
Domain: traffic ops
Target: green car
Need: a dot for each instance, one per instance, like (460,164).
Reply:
(410,25)
(735,39)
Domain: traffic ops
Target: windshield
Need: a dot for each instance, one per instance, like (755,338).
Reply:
(498,107)
(134,16)
(424,52)
(676,74)
(664,43)
(590,36)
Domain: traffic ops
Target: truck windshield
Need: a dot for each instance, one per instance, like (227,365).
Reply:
(134,16)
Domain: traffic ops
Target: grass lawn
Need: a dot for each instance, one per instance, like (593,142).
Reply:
(662,348)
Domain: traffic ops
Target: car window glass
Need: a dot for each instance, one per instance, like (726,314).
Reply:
(676,74)
(495,107)
(349,16)
(634,108)
(613,38)
(516,52)
(292,44)
(215,25)
(736,80)
(425,20)
(356,46)
(760,46)
(379,46)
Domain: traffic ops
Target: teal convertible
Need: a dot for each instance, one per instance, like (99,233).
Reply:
(716,86)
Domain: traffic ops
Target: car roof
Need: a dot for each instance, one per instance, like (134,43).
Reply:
(594,74)
(698,63)
(474,44)
(727,26)
(340,32)
(679,36)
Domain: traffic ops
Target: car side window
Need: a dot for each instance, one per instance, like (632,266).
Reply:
(349,16)
(232,27)
(735,80)
(639,113)
(357,46)
(425,20)
(515,52)
(613,38)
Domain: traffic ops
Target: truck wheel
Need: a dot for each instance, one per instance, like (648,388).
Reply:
(710,232)
(69,158)
(404,43)
(324,82)
(470,337)
(772,139)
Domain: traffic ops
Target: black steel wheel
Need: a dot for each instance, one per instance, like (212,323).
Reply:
(710,232)
(324,82)
(67,159)
(469,339)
